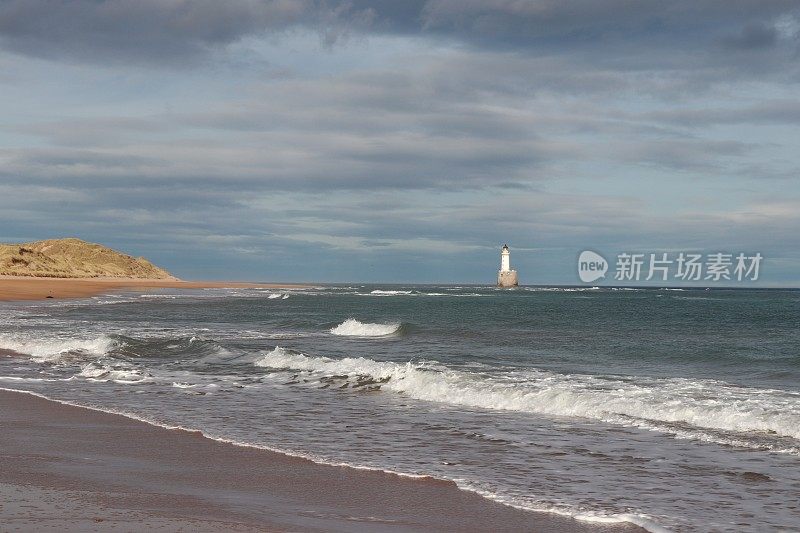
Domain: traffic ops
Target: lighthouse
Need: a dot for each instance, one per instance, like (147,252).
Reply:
(505,276)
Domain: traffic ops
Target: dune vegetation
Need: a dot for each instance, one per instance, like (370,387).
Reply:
(74,258)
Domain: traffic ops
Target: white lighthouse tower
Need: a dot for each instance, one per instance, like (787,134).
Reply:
(505,276)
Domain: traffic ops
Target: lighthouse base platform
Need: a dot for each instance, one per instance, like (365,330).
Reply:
(507,278)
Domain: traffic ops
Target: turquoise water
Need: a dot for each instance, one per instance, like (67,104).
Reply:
(671,409)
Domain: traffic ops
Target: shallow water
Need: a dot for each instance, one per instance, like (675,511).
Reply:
(673,409)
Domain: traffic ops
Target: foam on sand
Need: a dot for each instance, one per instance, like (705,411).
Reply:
(46,417)
(353,328)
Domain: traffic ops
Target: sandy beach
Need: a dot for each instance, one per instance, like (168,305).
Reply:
(31,288)
(69,468)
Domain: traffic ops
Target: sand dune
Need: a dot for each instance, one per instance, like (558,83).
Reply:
(74,258)
(72,268)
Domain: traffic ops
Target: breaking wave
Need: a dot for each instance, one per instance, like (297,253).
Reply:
(353,328)
(187,346)
(698,409)
(284,359)
(561,289)
(581,515)
(53,349)
(276,354)
(62,349)
(379,292)
(101,372)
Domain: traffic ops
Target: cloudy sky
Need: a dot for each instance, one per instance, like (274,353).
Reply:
(402,141)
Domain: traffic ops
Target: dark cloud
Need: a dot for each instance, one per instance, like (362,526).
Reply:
(753,36)
(139,30)
(555,125)
(354,132)
(466,121)
(724,37)
(619,33)
(588,21)
(420,130)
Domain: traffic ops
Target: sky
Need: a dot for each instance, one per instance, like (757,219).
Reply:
(386,141)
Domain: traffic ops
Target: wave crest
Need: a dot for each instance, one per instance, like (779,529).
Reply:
(118,374)
(353,328)
(697,409)
(51,350)
(284,359)
(380,292)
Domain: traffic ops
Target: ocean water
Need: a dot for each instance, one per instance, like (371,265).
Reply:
(676,410)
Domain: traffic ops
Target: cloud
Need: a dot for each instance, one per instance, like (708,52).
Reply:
(620,34)
(415,130)
(682,154)
(779,111)
(462,120)
(147,31)
(450,128)
(753,36)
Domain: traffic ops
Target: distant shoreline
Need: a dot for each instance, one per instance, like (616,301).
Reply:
(14,288)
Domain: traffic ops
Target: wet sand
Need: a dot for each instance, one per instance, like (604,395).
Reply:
(29,288)
(69,468)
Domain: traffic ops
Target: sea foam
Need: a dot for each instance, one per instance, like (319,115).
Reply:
(697,409)
(98,372)
(283,359)
(43,349)
(353,328)
(379,292)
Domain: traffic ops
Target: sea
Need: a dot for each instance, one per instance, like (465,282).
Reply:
(677,410)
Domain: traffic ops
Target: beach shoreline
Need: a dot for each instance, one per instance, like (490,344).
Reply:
(67,467)
(17,288)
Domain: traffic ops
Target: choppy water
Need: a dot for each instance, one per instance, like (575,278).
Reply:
(671,409)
